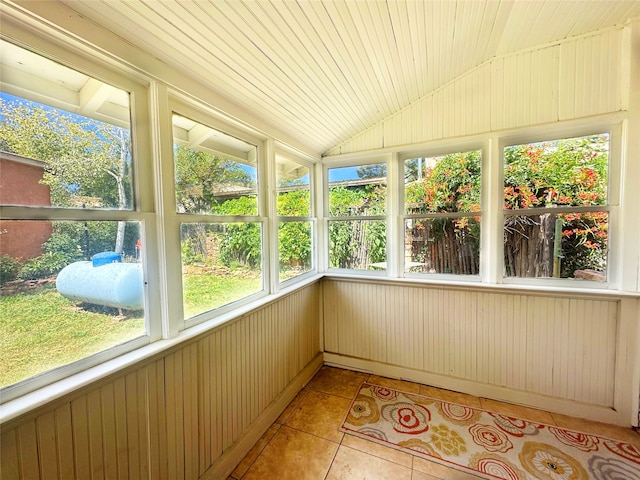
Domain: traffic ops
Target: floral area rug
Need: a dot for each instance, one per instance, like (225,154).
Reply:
(485,443)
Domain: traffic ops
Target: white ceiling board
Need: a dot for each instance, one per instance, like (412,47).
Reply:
(323,71)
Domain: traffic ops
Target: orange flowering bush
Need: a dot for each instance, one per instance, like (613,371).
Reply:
(570,172)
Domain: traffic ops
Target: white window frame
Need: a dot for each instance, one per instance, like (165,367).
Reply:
(143,211)
(388,218)
(173,219)
(612,206)
(439,152)
(278,219)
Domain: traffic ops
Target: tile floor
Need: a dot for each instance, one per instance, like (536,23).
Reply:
(305,443)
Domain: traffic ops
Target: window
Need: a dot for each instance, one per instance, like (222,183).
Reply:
(294,211)
(442,214)
(72,230)
(218,205)
(556,209)
(357,217)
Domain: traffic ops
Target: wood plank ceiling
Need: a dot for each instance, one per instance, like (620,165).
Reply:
(322,71)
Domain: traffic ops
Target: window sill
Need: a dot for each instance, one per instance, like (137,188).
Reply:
(591,290)
(37,398)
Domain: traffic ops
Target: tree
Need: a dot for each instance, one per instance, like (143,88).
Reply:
(83,158)
(201,177)
(372,171)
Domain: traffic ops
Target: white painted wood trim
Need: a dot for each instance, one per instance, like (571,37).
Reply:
(566,407)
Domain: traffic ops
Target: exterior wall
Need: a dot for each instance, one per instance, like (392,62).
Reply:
(194,413)
(20,185)
(569,353)
(569,80)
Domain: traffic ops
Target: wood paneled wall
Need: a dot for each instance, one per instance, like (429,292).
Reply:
(573,79)
(532,344)
(173,417)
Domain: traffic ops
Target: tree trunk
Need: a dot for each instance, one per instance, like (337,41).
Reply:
(122,197)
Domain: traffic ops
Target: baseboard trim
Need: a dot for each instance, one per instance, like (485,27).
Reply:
(528,399)
(224,466)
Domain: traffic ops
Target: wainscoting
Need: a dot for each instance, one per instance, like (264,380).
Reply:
(569,353)
(193,413)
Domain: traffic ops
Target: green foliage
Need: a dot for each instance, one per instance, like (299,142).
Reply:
(563,172)
(83,157)
(294,244)
(9,268)
(451,185)
(569,172)
(43,266)
(296,203)
(64,243)
(241,243)
(356,244)
(190,252)
(446,184)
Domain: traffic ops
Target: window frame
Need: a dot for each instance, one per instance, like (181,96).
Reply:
(197,112)
(281,150)
(388,217)
(142,211)
(614,180)
(452,149)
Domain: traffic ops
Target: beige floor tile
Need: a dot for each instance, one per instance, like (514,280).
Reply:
(603,429)
(401,385)
(320,414)
(284,416)
(377,450)
(511,410)
(450,396)
(257,449)
(351,464)
(416,475)
(293,455)
(440,471)
(335,381)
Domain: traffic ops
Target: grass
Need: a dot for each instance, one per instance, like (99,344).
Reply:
(42,330)
(204,292)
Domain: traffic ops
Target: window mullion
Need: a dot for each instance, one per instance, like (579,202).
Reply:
(168,228)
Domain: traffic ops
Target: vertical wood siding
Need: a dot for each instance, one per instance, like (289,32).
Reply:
(573,79)
(561,347)
(174,417)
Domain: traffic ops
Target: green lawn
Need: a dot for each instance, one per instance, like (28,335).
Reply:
(42,330)
(204,292)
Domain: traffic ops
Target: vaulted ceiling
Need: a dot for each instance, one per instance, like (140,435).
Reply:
(322,71)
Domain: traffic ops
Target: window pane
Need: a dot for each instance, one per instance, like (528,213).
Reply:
(572,171)
(294,248)
(221,263)
(293,187)
(449,183)
(443,245)
(72,151)
(357,191)
(215,173)
(62,297)
(572,245)
(358,244)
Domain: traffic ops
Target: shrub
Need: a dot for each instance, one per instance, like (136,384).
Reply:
(9,268)
(43,266)
(241,243)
